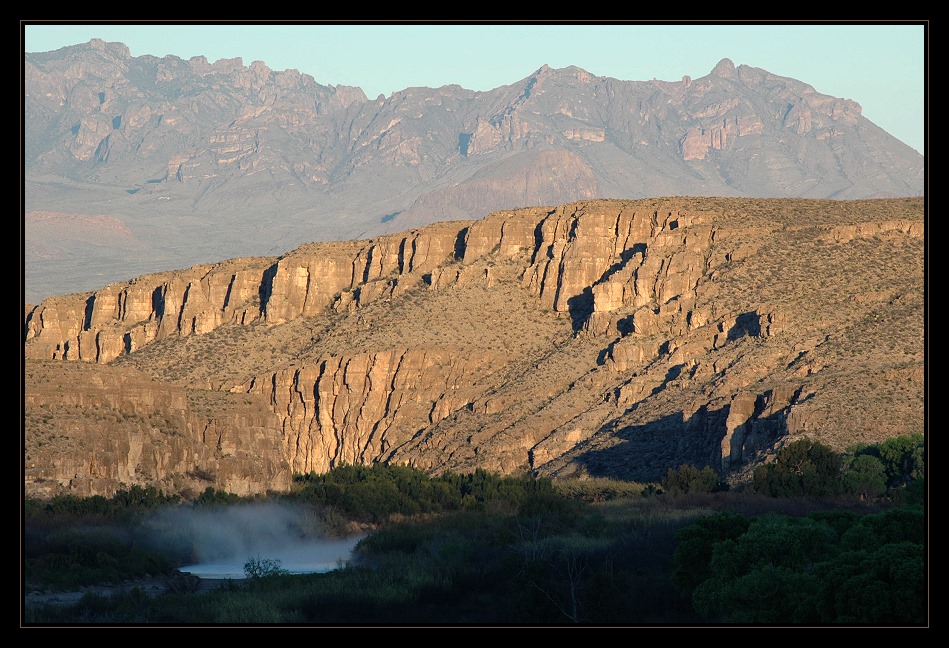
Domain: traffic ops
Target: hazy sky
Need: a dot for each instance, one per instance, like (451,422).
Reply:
(880,65)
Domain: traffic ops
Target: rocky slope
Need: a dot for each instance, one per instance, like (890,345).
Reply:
(203,161)
(607,337)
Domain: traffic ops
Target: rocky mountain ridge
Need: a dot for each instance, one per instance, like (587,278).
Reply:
(204,161)
(599,338)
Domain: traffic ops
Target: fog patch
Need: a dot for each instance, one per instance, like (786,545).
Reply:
(218,541)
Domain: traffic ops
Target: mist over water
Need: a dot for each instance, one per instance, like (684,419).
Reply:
(220,540)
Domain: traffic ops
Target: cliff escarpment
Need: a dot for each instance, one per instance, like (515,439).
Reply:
(599,338)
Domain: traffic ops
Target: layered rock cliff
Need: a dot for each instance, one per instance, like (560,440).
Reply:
(615,338)
(95,430)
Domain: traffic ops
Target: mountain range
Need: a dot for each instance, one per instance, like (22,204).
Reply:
(134,165)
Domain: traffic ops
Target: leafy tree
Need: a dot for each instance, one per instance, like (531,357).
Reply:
(839,521)
(379,491)
(143,497)
(831,567)
(693,554)
(865,476)
(213,497)
(884,584)
(903,459)
(888,527)
(802,468)
(763,576)
(767,594)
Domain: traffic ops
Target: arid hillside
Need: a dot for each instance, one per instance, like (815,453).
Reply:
(602,338)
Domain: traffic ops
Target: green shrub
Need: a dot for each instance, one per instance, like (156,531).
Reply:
(689,479)
(693,554)
(214,497)
(376,493)
(903,458)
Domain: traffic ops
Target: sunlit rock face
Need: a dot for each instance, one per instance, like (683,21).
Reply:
(604,337)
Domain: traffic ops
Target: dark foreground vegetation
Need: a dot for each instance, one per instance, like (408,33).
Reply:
(819,539)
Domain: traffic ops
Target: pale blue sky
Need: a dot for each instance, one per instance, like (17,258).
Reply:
(880,65)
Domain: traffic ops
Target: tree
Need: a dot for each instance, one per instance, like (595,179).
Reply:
(693,554)
(903,459)
(212,497)
(831,567)
(802,468)
(865,476)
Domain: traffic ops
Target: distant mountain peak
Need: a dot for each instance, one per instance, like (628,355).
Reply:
(725,69)
(119,50)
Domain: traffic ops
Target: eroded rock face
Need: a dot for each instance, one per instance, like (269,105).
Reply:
(358,409)
(96,432)
(613,338)
(584,260)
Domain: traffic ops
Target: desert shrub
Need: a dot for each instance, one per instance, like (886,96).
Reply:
(689,479)
(214,497)
(376,493)
(263,567)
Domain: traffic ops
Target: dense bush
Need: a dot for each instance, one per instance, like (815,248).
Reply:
(69,541)
(902,458)
(72,555)
(214,497)
(689,479)
(693,553)
(804,468)
(828,568)
(377,492)
(123,504)
(865,477)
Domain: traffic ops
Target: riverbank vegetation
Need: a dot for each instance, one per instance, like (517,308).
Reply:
(818,538)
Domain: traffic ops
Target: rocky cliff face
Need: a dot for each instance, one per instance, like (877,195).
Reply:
(615,338)
(202,161)
(92,432)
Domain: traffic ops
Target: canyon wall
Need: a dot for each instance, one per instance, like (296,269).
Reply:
(682,331)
